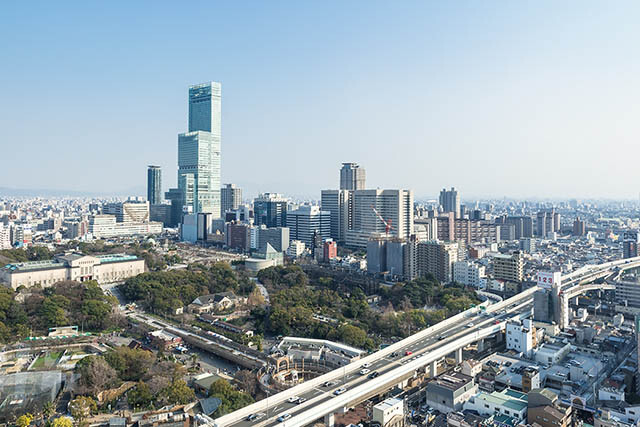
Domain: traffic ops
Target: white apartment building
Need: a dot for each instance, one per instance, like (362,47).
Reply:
(5,237)
(106,226)
(296,249)
(468,273)
(519,336)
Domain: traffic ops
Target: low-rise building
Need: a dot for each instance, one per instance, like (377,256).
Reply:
(389,413)
(550,354)
(544,408)
(449,392)
(214,302)
(471,367)
(164,340)
(73,266)
(331,352)
(519,336)
(507,402)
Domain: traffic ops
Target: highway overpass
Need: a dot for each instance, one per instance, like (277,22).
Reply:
(419,351)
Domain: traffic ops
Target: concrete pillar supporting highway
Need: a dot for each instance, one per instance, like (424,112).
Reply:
(329,420)
(481,345)
(433,369)
(459,356)
(499,337)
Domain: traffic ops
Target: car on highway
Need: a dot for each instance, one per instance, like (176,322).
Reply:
(329,384)
(394,354)
(284,417)
(374,374)
(293,399)
(255,417)
(441,337)
(366,365)
(364,371)
(408,353)
(301,400)
(340,391)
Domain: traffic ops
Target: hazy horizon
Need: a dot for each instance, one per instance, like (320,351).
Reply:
(522,100)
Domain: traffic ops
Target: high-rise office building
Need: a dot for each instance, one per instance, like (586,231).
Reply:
(339,204)
(394,206)
(130,211)
(352,177)
(199,153)
(630,240)
(547,222)
(205,108)
(270,209)
(277,237)
(579,227)
(523,225)
(306,220)
(230,197)
(199,171)
(450,201)
(154,185)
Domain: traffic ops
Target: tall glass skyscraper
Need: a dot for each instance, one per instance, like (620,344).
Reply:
(205,101)
(199,150)
(154,185)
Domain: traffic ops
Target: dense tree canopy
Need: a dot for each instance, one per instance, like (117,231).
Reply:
(406,308)
(231,398)
(159,382)
(32,253)
(65,303)
(165,291)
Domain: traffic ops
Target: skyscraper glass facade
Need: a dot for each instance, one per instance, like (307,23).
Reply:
(154,185)
(199,171)
(199,151)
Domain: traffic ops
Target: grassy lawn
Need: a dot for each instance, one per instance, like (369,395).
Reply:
(47,361)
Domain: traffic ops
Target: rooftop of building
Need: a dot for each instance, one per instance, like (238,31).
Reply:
(453,381)
(61,261)
(388,403)
(507,398)
(33,265)
(116,258)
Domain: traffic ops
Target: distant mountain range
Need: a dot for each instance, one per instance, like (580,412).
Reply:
(32,192)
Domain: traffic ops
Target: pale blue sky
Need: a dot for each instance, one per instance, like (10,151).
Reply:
(512,98)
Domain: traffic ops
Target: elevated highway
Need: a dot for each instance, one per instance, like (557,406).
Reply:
(404,358)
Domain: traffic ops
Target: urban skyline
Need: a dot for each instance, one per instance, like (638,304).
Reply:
(422,214)
(517,119)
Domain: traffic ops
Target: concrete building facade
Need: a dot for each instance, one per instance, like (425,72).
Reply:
(74,266)
(352,177)
(307,220)
(230,198)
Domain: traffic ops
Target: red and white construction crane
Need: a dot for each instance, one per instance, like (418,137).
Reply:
(386,222)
